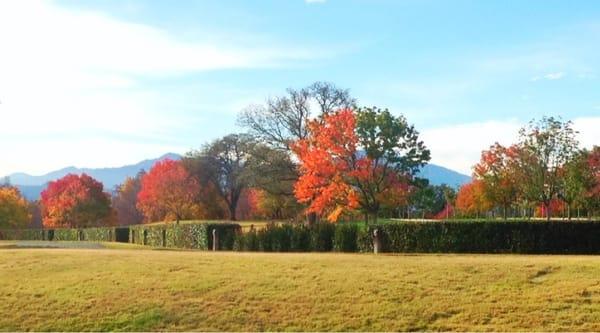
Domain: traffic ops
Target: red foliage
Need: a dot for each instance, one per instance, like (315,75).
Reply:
(75,201)
(594,165)
(557,208)
(446,213)
(168,191)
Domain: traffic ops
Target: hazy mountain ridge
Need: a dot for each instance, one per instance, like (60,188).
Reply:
(32,186)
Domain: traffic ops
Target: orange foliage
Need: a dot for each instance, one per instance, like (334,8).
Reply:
(327,158)
(168,191)
(471,199)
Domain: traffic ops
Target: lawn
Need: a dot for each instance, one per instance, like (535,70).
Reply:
(132,289)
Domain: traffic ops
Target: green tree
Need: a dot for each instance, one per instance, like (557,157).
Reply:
(223,165)
(545,147)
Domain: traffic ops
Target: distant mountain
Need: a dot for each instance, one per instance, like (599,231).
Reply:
(32,186)
(439,175)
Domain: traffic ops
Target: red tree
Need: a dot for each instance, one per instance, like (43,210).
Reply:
(471,198)
(167,191)
(75,201)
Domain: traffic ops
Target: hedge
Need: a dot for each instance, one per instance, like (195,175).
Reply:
(298,238)
(189,235)
(561,237)
(22,234)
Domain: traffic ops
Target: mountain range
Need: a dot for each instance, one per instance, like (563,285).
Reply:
(32,186)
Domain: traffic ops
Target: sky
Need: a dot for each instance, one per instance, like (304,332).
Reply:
(109,83)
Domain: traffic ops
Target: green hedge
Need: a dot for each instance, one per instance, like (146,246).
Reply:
(66,235)
(189,235)
(295,238)
(560,237)
(22,234)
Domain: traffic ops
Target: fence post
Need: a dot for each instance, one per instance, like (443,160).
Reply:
(376,241)
(215,237)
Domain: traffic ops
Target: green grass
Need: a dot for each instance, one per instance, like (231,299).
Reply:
(145,290)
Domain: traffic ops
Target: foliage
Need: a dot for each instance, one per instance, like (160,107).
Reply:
(337,178)
(189,235)
(75,201)
(498,172)
(222,165)
(168,190)
(471,199)
(545,148)
(490,237)
(124,201)
(14,208)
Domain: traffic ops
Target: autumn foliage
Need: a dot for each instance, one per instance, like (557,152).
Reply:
(327,158)
(168,192)
(14,209)
(471,199)
(75,201)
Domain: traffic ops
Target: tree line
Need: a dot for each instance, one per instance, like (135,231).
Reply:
(314,154)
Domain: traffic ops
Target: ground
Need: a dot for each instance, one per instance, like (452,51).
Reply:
(136,289)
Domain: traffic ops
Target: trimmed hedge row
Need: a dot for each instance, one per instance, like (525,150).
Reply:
(299,238)
(434,237)
(188,236)
(490,237)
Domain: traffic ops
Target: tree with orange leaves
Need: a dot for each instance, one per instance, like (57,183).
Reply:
(14,209)
(337,176)
(497,169)
(168,190)
(471,199)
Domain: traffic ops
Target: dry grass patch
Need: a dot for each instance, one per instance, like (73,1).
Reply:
(101,290)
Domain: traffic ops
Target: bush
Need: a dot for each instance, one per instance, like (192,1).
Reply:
(66,234)
(99,234)
(287,238)
(188,236)
(21,234)
(487,237)
(345,238)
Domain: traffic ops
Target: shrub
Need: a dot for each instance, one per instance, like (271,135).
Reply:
(487,237)
(345,238)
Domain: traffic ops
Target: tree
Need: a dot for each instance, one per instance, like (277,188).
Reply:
(75,201)
(336,177)
(284,120)
(545,147)
(14,209)
(574,177)
(429,200)
(498,171)
(168,190)
(471,199)
(222,164)
(124,200)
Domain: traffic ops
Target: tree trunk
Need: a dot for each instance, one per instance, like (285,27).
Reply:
(569,212)
(232,216)
(311,219)
(548,213)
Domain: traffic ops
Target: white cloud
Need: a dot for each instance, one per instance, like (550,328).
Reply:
(549,76)
(459,147)
(82,74)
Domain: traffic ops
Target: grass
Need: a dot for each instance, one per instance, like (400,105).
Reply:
(145,290)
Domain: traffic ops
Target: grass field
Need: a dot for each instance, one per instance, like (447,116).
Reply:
(132,289)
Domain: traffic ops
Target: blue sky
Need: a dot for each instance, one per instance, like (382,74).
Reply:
(107,83)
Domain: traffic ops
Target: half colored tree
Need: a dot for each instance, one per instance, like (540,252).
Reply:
(168,191)
(75,201)
(337,178)
(498,170)
(471,199)
(14,209)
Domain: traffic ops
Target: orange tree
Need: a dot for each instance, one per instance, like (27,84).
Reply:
(471,199)
(14,209)
(357,160)
(75,201)
(168,190)
(498,171)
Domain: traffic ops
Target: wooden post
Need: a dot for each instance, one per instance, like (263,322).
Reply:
(215,240)
(376,241)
